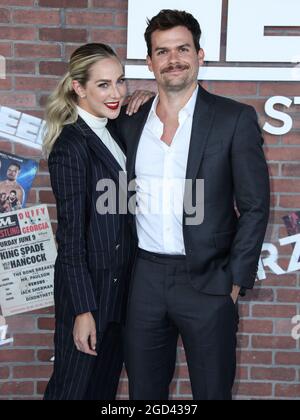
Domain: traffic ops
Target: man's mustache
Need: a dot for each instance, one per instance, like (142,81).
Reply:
(173,67)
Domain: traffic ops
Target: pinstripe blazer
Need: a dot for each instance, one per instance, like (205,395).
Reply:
(92,269)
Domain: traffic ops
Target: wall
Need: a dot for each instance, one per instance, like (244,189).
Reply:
(37,37)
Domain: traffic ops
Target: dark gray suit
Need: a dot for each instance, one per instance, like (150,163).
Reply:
(226,151)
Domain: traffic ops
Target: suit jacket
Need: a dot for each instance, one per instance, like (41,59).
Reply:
(93,263)
(226,152)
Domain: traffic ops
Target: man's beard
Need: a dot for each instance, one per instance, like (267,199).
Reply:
(178,84)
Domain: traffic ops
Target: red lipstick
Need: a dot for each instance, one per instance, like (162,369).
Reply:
(112,105)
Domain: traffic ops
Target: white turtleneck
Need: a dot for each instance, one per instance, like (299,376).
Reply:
(98,125)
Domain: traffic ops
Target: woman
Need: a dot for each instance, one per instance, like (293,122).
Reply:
(94,247)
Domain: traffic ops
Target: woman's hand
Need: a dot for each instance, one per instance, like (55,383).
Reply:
(137,99)
(84,334)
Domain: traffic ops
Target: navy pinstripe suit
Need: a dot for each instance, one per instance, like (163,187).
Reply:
(92,270)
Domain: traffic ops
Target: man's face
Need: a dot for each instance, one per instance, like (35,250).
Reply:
(12,196)
(175,61)
(12,173)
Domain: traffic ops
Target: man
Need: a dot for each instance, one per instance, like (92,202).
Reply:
(13,201)
(188,276)
(11,183)
(4,205)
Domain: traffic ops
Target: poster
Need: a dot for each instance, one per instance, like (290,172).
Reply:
(27,258)
(292,223)
(4,339)
(16,178)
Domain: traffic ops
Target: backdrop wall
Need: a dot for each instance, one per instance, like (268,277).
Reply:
(36,39)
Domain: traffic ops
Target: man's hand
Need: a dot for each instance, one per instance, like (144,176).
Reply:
(235,293)
(84,334)
(137,99)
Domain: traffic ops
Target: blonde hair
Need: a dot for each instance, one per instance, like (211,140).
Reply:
(61,106)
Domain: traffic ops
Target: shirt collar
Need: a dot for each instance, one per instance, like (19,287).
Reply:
(188,109)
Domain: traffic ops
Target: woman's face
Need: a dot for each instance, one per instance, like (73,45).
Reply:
(105,91)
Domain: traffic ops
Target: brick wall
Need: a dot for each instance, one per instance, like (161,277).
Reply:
(37,37)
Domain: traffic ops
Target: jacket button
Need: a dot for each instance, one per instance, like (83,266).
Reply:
(115,280)
(117,247)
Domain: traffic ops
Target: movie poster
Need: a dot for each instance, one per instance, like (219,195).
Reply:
(16,178)
(27,258)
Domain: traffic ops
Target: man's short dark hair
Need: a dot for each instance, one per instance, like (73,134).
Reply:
(14,192)
(169,19)
(15,164)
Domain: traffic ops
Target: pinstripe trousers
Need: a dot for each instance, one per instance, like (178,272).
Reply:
(78,376)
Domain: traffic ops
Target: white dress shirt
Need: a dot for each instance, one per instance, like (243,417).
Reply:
(160,182)
(98,125)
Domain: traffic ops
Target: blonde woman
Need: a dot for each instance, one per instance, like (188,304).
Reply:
(94,249)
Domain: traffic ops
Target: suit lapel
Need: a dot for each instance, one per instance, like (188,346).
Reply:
(113,132)
(136,130)
(99,148)
(202,123)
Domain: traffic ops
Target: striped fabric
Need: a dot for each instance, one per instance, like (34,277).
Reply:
(95,251)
